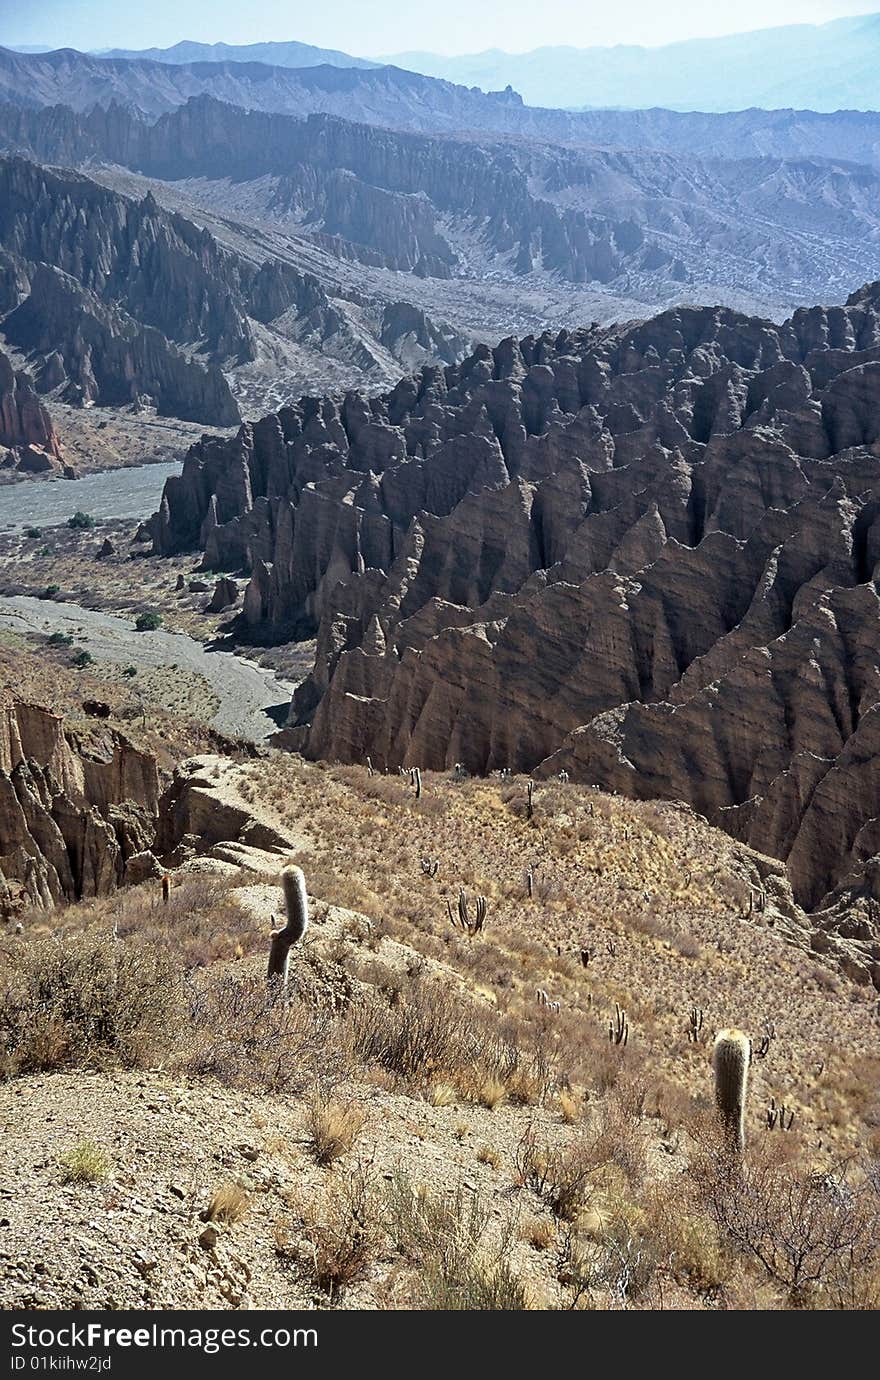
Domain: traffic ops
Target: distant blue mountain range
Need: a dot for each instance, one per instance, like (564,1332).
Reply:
(834,66)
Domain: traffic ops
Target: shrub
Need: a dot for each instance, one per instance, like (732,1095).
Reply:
(238,1035)
(81,521)
(32,533)
(811,1232)
(50,591)
(84,1001)
(461,1265)
(342,1236)
(148,621)
(59,639)
(81,659)
(422,1034)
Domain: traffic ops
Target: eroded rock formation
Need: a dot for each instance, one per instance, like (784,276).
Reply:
(74,808)
(645,554)
(25,425)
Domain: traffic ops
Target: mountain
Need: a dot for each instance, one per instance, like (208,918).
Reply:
(825,67)
(639,225)
(288,54)
(116,298)
(401,100)
(644,555)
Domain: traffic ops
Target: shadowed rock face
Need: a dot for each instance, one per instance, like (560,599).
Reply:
(24,422)
(129,300)
(756,211)
(645,554)
(73,810)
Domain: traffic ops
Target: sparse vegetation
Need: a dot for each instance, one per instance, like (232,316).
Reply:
(591,1171)
(148,621)
(85,1163)
(228,1203)
(333,1128)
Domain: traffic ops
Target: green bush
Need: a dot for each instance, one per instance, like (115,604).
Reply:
(33,532)
(81,659)
(148,621)
(59,639)
(81,520)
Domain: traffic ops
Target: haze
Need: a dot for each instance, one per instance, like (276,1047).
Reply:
(396,25)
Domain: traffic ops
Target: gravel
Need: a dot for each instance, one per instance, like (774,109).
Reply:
(247,693)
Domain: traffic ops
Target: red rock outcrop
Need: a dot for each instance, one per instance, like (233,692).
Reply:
(25,425)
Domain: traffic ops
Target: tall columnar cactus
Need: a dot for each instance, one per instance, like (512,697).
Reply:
(296,904)
(166,888)
(730,1061)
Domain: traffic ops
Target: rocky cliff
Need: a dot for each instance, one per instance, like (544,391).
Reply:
(106,357)
(639,220)
(399,99)
(168,312)
(644,554)
(74,809)
(25,425)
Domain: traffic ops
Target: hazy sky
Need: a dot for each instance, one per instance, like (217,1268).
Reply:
(372,27)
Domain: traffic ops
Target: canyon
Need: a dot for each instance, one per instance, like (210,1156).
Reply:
(641,555)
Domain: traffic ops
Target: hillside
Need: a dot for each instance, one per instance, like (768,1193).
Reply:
(630,553)
(333,1153)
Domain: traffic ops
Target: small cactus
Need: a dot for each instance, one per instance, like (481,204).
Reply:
(730,1061)
(470,924)
(415,780)
(618,1028)
(530,805)
(296,904)
(780,1116)
(695,1028)
(166,888)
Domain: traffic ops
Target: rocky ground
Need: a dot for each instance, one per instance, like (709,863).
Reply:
(201,1177)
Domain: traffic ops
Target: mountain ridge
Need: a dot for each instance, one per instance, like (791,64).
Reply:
(606,552)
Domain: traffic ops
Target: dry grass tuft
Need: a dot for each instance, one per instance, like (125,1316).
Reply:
(228,1203)
(85,1163)
(333,1128)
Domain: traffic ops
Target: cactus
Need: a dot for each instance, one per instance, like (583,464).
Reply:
(296,904)
(530,807)
(730,1061)
(780,1116)
(618,1029)
(530,880)
(470,924)
(166,888)
(695,1030)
